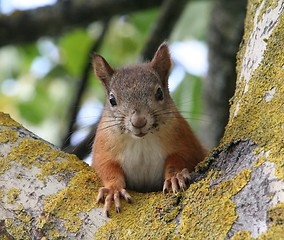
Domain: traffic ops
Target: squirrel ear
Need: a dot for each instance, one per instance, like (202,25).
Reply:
(161,62)
(102,69)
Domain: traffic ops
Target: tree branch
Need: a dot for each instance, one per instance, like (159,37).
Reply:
(83,149)
(74,108)
(27,26)
(170,12)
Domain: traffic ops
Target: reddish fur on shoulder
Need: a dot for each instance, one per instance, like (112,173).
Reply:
(184,149)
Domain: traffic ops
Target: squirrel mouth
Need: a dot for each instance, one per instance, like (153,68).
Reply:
(140,134)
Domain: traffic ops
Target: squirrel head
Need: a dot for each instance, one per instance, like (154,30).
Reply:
(137,96)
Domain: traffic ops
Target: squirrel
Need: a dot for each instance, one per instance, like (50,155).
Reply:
(142,142)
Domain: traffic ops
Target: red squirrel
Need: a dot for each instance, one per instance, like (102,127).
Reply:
(142,141)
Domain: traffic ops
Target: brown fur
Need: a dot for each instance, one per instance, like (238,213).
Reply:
(127,154)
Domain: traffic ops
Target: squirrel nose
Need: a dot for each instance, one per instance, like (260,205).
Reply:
(138,121)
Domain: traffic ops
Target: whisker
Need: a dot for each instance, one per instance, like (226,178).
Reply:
(185,101)
(104,128)
(88,117)
(164,113)
(172,112)
(118,113)
(160,110)
(111,119)
(114,117)
(186,118)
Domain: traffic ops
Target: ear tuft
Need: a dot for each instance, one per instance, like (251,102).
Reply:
(161,62)
(102,69)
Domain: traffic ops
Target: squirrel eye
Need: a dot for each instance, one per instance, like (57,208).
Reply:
(159,94)
(112,100)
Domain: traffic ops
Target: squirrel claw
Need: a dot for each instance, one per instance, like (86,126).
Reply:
(166,186)
(107,213)
(102,192)
(118,209)
(112,195)
(177,182)
(126,196)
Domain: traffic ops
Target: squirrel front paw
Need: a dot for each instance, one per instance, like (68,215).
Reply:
(177,181)
(112,195)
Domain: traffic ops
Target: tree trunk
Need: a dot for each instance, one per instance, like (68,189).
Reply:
(238,192)
(224,37)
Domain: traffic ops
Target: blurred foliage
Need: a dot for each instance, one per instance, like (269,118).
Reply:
(193,22)
(38,81)
(74,48)
(187,97)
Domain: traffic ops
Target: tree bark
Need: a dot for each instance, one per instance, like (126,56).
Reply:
(28,26)
(236,193)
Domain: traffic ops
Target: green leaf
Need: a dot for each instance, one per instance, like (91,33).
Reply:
(193,22)
(74,48)
(143,20)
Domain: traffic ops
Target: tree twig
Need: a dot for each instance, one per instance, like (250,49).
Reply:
(82,85)
(171,10)
(83,149)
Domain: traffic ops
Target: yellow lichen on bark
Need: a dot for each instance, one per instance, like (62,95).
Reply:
(245,235)
(4,164)
(78,197)
(276,218)
(20,226)
(8,135)
(209,211)
(150,216)
(261,119)
(259,110)
(12,195)
(6,120)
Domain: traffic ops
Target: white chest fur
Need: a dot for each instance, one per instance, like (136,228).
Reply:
(143,162)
